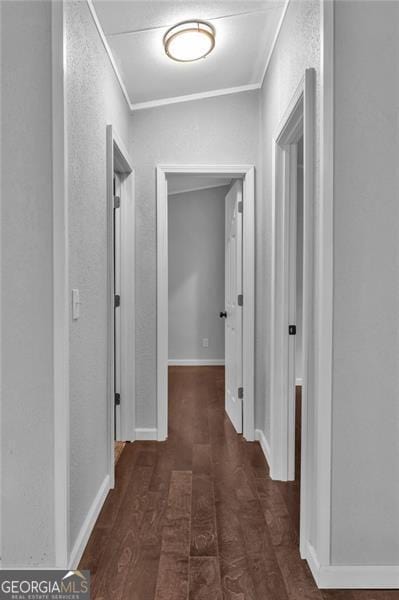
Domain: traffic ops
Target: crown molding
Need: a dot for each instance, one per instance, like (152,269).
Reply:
(109,52)
(133,106)
(273,47)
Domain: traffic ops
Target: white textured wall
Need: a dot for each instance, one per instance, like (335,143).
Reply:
(365,484)
(217,130)
(196,227)
(94,99)
(26,286)
(297,48)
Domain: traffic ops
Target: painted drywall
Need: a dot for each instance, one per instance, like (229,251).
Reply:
(297,48)
(222,130)
(27,460)
(93,100)
(196,226)
(365,473)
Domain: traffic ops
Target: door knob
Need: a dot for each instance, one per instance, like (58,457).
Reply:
(223,315)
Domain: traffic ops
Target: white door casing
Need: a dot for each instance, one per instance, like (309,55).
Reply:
(247,174)
(117,311)
(233,321)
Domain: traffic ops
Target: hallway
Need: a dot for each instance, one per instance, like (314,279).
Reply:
(197,517)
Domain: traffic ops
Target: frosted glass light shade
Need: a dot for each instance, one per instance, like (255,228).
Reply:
(189,41)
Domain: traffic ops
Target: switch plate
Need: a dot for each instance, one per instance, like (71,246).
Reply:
(75,304)
(205,343)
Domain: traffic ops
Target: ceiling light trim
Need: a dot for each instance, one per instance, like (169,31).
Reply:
(169,25)
(197,96)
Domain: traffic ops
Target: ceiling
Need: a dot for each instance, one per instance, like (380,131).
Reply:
(134,29)
(180,182)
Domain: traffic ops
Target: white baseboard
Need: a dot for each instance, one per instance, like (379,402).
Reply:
(264,444)
(195,362)
(146,434)
(353,576)
(88,524)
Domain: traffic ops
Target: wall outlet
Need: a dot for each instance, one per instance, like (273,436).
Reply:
(205,343)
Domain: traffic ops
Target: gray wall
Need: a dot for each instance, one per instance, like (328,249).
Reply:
(365,484)
(196,232)
(94,99)
(216,130)
(26,286)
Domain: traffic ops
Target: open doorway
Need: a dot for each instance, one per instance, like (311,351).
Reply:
(211,319)
(205,283)
(121,330)
(293,180)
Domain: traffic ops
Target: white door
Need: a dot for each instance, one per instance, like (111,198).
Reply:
(117,312)
(233,306)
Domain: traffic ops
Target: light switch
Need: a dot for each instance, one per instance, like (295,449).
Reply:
(75,304)
(205,343)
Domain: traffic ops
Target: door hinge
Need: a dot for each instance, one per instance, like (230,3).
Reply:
(117,300)
(117,202)
(240,299)
(240,206)
(240,393)
(292,329)
(117,399)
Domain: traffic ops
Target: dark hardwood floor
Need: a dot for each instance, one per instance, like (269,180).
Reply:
(197,517)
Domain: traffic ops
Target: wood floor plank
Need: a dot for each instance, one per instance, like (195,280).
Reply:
(203,515)
(173,574)
(205,583)
(123,548)
(297,577)
(278,519)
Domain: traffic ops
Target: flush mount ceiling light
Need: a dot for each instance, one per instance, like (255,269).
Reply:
(189,41)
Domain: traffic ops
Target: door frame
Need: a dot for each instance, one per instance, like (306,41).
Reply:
(247,173)
(298,120)
(118,160)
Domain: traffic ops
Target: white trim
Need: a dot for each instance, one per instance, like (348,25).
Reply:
(192,362)
(146,434)
(110,304)
(198,189)
(298,118)
(247,173)
(266,449)
(60,289)
(198,96)
(218,170)
(248,313)
(123,165)
(324,273)
(352,576)
(288,133)
(109,52)
(118,160)
(88,524)
(277,34)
